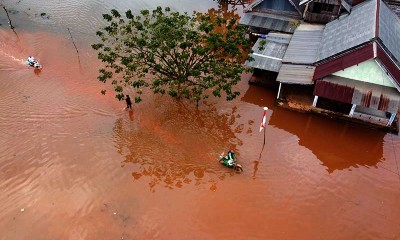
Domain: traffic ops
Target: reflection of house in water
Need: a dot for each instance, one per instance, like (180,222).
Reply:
(331,141)
(340,56)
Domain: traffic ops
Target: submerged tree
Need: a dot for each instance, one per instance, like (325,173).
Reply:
(169,52)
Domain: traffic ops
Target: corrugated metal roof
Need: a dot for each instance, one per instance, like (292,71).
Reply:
(296,74)
(269,21)
(275,5)
(349,30)
(389,31)
(279,37)
(304,45)
(367,94)
(270,58)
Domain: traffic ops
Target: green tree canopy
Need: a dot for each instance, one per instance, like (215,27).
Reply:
(169,52)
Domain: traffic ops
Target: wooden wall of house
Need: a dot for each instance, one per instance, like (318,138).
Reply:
(333,2)
(322,11)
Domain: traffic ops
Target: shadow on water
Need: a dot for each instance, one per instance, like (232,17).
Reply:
(337,144)
(260,96)
(178,145)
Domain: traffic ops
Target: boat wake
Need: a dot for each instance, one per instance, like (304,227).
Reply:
(12,56)
(9,62)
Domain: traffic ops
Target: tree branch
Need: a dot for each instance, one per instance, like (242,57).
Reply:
(8,16)
(79,60)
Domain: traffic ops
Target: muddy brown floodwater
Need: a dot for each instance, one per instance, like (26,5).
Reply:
(75,165)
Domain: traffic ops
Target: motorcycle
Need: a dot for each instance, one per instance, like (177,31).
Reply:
(230,163)
(32,62)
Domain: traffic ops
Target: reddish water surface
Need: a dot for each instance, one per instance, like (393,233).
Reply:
(75,165)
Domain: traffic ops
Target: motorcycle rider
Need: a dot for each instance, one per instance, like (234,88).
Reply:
(31,60)
(230,158)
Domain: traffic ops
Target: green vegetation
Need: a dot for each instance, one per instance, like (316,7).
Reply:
(173,53)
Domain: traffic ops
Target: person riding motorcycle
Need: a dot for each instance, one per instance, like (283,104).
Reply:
(229,160)
(31,60)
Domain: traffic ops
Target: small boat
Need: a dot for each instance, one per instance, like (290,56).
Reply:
(32,62)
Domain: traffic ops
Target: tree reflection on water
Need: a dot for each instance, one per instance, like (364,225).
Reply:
(176,145)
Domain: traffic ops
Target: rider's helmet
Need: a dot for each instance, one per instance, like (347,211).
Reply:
(231,151)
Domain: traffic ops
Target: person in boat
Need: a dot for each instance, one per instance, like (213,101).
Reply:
(229,159)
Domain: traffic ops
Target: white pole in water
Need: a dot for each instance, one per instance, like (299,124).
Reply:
(315,101)
(262,127)
(353,108)
(279,90)
(391,119)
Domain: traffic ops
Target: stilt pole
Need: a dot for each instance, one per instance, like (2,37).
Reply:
(353,108)
(315,101)
(279,91)
(391,119)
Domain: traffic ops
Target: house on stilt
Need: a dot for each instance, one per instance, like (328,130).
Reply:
(358,64)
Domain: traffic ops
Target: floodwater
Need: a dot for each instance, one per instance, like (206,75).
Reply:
(75,165)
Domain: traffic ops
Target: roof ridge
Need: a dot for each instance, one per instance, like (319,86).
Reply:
(377,17)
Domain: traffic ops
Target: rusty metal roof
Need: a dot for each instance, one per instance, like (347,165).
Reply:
(270,58)
(296,74)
